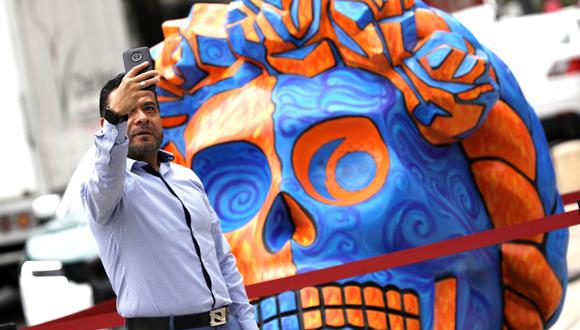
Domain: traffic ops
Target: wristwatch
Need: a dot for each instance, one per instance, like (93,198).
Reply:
(113,118)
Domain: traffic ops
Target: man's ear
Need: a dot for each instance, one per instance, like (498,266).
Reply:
(102,121)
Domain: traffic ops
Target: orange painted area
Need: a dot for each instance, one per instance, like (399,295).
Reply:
(447,70)
(367,39)
(353,295)
(304,229)
(377,320)
(428,22)
(179,159)
(463,117)
(335,317)
(245,114)
(317,61)
(392,31)
(312,320)
(445,308)
(162,99)
(332,296)
(373,297)
(390,8)
(305,16)
(475,92)
(411,303)
(355,317)
(309,297)
(274,44)
(412,324)
(216,74)
(165,63)
(504,135)
(409,3)
(209,20)
(394,300)
(396,322)
(526,270)
(173,121)
(510,198)
(520,313)
(353,131)
(411,100)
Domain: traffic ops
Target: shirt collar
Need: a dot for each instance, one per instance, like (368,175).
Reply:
(163,156)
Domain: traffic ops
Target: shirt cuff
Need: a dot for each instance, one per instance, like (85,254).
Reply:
(117,132)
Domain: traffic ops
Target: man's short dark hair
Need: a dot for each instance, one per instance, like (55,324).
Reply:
(110,86)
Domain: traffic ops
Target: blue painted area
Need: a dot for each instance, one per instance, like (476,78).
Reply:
(215,51)
(427,112)
(437,57)
(268,308)
(294,14)
(359,12)
(439,38)
(276,3)
(272,325)
(315,24)
(290,322)
(466,66)
(409,29)
(453,87)
(187,66)
(242,47)
(236,177)
(275,21)
(556,248)
(250,5)
(347,41)
(235,15)
(317,167)
(287,301)
(279,227)
(355,171)
(428,196)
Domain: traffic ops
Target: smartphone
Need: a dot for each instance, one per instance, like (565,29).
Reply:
(136,56)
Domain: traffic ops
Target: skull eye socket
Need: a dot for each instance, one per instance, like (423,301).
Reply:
(237,178)
(342,161)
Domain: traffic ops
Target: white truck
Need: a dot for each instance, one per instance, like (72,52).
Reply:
(56,55)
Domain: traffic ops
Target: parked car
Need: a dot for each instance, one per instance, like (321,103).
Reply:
(62,272)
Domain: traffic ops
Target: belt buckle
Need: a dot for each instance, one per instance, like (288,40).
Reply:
(217,317)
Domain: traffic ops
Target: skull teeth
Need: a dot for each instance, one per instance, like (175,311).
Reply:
(350,305)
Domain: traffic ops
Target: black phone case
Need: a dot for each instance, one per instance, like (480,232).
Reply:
(136,56)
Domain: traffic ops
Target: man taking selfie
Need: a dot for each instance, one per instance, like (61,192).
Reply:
(159,239)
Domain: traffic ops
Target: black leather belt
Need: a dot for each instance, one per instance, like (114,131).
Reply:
(212,318)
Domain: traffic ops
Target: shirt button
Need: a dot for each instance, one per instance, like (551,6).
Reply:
(114,131)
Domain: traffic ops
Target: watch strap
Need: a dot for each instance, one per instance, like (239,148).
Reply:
(113,118)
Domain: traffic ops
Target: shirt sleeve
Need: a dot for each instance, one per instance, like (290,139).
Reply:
(102,189)
(240,307)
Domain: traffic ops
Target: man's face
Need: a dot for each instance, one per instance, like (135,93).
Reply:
(144,128)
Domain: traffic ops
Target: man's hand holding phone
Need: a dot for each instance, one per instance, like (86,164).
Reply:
(133,86)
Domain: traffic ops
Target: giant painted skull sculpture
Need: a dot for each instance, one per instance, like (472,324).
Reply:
(328,131)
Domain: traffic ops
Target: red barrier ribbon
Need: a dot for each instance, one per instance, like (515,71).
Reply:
(571,198)
(104,315)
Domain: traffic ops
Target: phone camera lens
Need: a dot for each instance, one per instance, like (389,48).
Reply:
(136,57)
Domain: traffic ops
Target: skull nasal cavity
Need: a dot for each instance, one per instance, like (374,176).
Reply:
(287,220)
